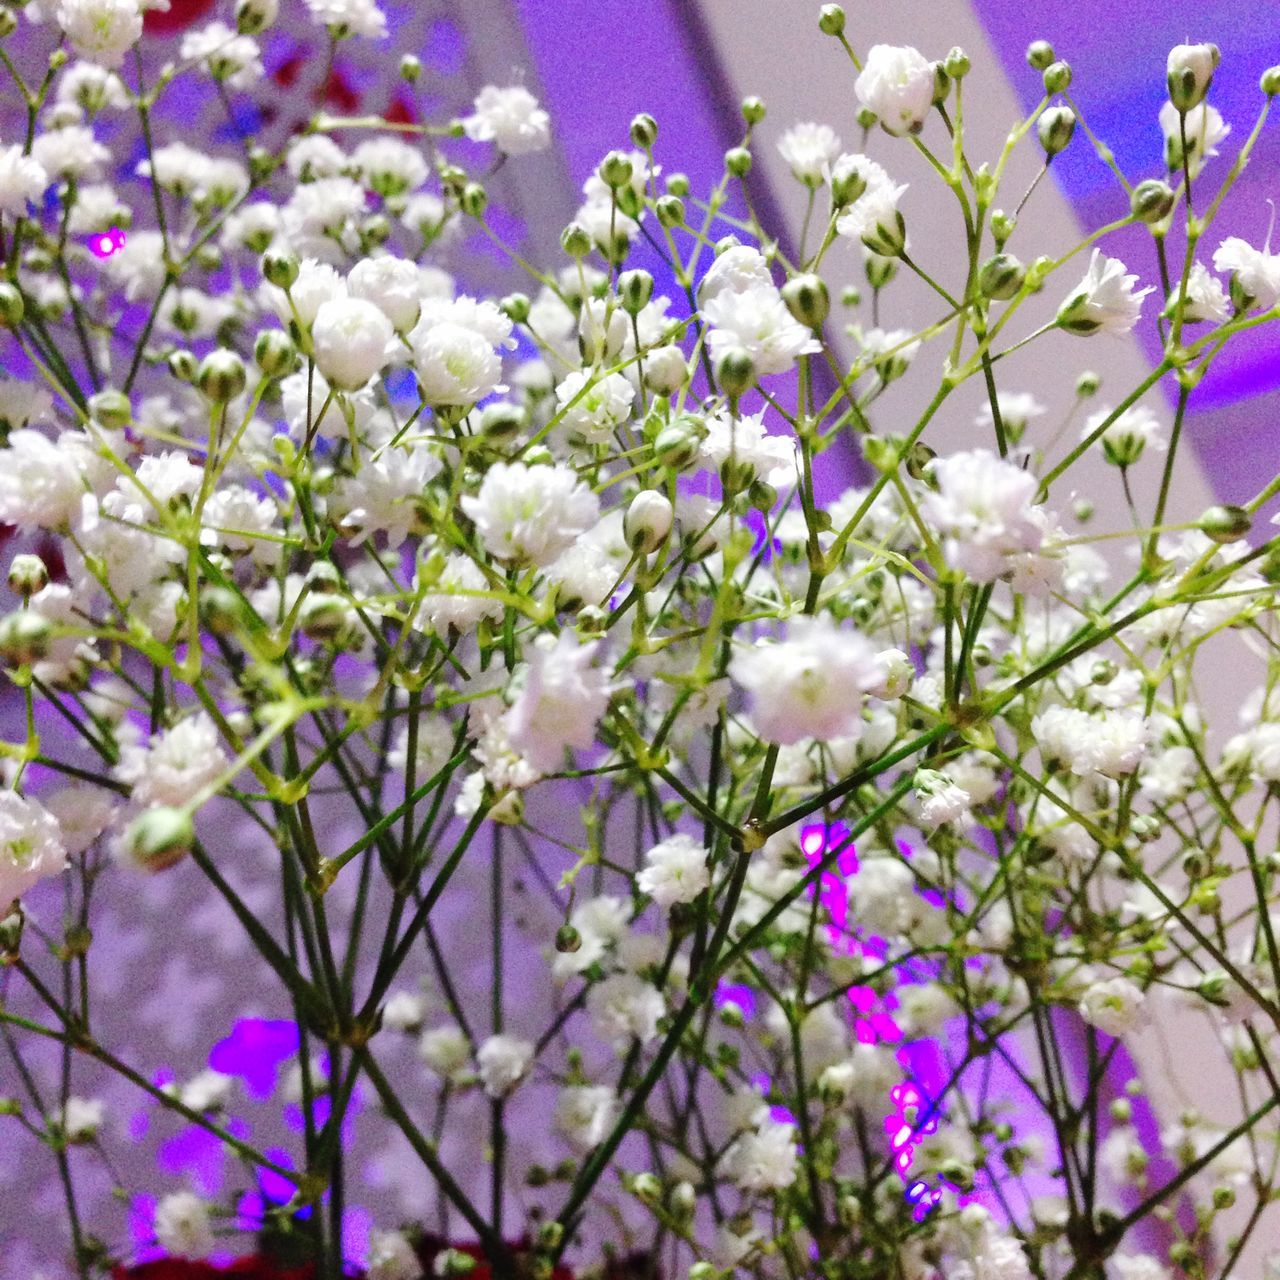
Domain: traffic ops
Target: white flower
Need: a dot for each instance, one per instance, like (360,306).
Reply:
(208,1090)
(349,17)
(757,321)
(385,494)
(1017,408)
(229,57)
(624,1007)
(70,152)
(809,685)
(392,284)
(31,846)
(897,83)
(352,341)
(1138,1266)
(736,270)
(1204,130)
(1113,1006)
(1255,273)
(509,118)
(941,800)
(182,1226)
(1125,440)
(101,31)
(457,597)
(81,1118)
(22,181)
(676,871)
(445,1051)
(750,451)
(503,1061)
(592,405)
(403,1011)
(1112,743)
(563,698)
(531,513)
(391,1257)
(586,1113)
(808,149)
(175,764)
(390,166)
(1001,1258)
(456,362)
(764,1159)
(42,481)
(983,507)
(1105,301)
(1206,299)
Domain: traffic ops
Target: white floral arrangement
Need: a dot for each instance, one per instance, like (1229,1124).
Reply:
(324,564)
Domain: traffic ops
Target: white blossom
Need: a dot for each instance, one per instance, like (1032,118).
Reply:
(509,118)
(530,513)
(675,870)
(31,846)
(503,1061)
(897,83)
(182,1226)
(1105,301)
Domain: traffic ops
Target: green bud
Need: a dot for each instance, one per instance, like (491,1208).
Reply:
(670,211)
(957,63)
(1057,77)
(941,84)
(677,443)
(453,1262)
(280,269)
(752,110)
(1040,54)
(615,170)
(8,23)
(473,200)
(644,131)
(682,1202)
(1190,73)
(501,421)
(644,1186)
(1223,1198)
(254,16)
(221,376)
(1055,127)
(735,372)
(24,637)
(274,354)
(831,20)
(1002,225)
(28,575)
(807,299)
(12,923)
(575,241)
(112,409)
(702,1271)
(1225,524)
(183,365)
(410,68)
(635,288)
(323,617)
(737,162)
(1270,82)
(1087,384)
(1152,201)
(568,939)
(220,610)
(158,838)
(1121,1110)
(865,117)
(515,306)
(850,296)
(677,184)
(12,308)
(1001,277)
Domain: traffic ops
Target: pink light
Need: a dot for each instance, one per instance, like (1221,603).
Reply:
(106,243)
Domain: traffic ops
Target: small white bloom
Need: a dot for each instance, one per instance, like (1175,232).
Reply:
(1017,408)
(897,83)
(1125,440)
(1204,129)
(757,321)
(586,1113)
(561,702)
(1190,71)
(22,181)
(808,149)
(1206,299)
(509,118)
(676,871)
(1105,301)
(391,1257)
(624,1007)
(403,1011)
(349,17)
(1255,273)
(31,846)
(81,1118)
(352,341)
(1114,1006)
(175,764)
(941,800)
(445,1051)
(230,58)
(182,1226)
(593,406)
(531,513)
(764,1159)
(101,31)
(503,1061)
(390,166)
(394,285)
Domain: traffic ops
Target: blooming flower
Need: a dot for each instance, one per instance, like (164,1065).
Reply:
(352,341)
(810,684)
(503,1061)
(808,149)
(531,513)
(31,846)
(22,181)
(586,1113)
(1124,441)
(175,764)
(897,83)
(1205,298)
(509,118)
(757,321)
(1105,301)
(675,871)
(1255,273)
(1203,128)
(561,703)
(182,1226)
(349,17)
(101,31)
(1113,1006)
(764,1159)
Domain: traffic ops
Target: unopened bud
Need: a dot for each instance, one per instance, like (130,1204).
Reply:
(221,376)
(1040,54)
(24,637)
(670,211)
(515,306)
(1055,127)
(648,521)
(615,170)
(677,443)
(753,109)
(12,307)
(737,162)
(501,421)
(644,1186)
(453,1262)
(1057,77)
(255,16)
(1152,201)
(473,200)
(274,354)
(1270,82)
(1190,73)
(735,372)
(831,20)
(159,838)
(1224,524)
(635,288)
(280,269)
(568,939)
(410,68)
(807,299)
(682,1201)
(322,617)
(575,240)
(111,408)
(28,574)
(1001,276)
(644,130)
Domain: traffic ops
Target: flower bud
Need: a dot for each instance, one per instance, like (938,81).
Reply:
(1040,54)
(865,117)
(568,939)
(575,240)
(941,84)
(1083,510)
(644,131)
(1055,127)
(1270,82)
(279,269)
(221,376)
(752,109)
(274,354)
(731,1015)
(665,370)
(453,1262)
(957,63)
(1223,1198)
(1225,524)
(24,637)
(1057,77)
(677,443)
(220,610)
(28,574)
(501,421)
(515,306)
(12,307)
(111,409)
(807,299)
(254,16)
(644,1186)
(635,288)
(648,521)
(670,211)
(1001,276)
(322,617)
(12,923)
(846,187)
(735,372)
(1190,72)
(183,365)
(880,270)
(737,162)
(410,68)
(8,23)
(158,838)
(682,1201)
(831,20)
(473,200)
(615,170)
(1152,201)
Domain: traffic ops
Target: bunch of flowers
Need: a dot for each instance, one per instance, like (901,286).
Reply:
(432,604)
